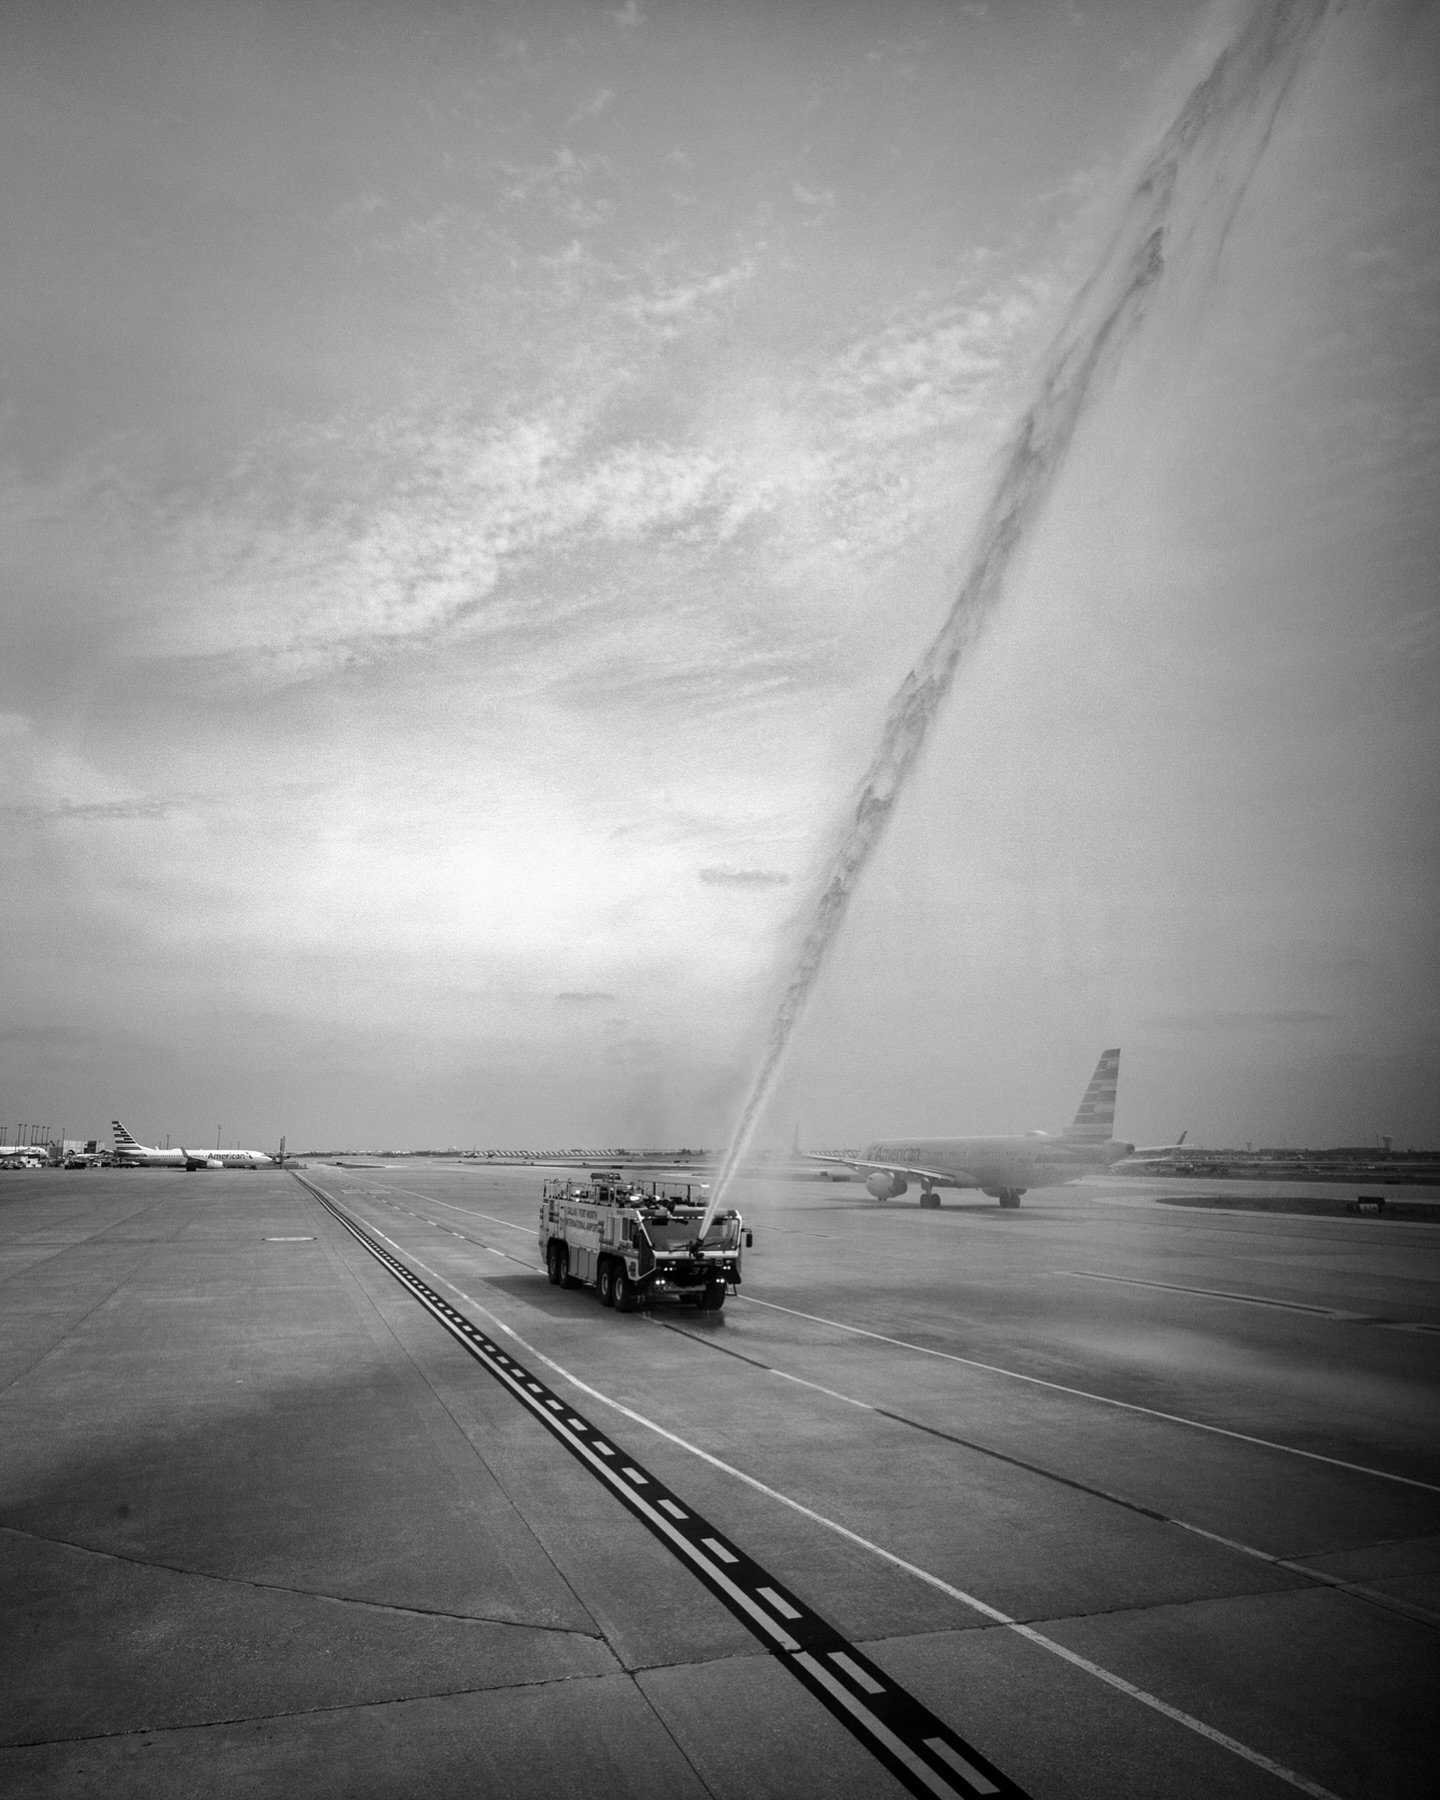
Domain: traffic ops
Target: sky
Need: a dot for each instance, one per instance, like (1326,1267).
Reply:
(473,475)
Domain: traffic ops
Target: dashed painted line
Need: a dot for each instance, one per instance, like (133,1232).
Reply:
(1298,1306)
(1376,1596)
(919,1749)
(1175,1287)
(1060,1387)
(1291,1777)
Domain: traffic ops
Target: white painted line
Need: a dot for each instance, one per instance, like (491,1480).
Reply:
(1057,1387)
(675,1512)
(635,1476)
(469,1212)
(938,1747)
(1175,1287)
(1377,1596)
(902,1752)
(1255,1757)
(800,1381)
(1261,1761)
(605,1449)
(861,1677)
(715,1575)
(783,1607)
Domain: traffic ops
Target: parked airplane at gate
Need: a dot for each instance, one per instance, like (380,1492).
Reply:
(130,1154)
(33,1155)
(1003,1167)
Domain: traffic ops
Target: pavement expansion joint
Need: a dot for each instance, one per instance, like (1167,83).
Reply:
(667,1729)
(951,1437)
(925,1753)
(302,1593)
(299,1712)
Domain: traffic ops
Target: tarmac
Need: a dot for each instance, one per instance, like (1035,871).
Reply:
(1124,1499)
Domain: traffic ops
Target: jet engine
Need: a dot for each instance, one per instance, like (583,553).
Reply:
(886,1187)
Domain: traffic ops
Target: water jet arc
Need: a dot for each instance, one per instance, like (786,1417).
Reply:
(1191,184)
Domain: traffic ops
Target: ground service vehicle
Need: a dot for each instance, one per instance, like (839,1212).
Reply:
(637,1245)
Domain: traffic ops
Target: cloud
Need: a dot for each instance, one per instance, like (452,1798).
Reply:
(95,810)
(685,302)
(558,183)
(584,997)
(744,878)
(358,210)
(731,522)
(812,196)
(1286,1019)
(591,108)
(630,16)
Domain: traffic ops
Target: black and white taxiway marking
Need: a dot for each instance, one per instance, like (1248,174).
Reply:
(919,1749)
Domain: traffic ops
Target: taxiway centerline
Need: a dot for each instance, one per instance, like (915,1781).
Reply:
(897,1729)
(1221,1739)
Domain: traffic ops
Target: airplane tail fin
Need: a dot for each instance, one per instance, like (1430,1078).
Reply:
(122,1136)
(1095,1121)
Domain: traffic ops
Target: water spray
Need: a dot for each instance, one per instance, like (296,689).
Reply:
(1220,131)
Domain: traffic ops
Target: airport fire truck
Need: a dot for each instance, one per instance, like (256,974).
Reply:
(637,1245)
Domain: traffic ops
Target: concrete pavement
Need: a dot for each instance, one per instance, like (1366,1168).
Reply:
(263,1524)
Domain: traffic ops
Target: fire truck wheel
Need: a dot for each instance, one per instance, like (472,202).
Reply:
(714,1297)
(606,1283)
(626,1298)
(554,1263)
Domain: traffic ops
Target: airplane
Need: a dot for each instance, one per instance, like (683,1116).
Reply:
(1165,1153)
(1003,1167)
(130,1154)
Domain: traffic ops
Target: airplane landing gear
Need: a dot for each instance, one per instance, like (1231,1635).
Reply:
(929,1197)
(1010,1196)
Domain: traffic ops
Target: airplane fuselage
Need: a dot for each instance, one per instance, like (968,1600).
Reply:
(994,1164)
(145,1157)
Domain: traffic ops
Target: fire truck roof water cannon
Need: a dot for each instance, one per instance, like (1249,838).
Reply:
(637,1245)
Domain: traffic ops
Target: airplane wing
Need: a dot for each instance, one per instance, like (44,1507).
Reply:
(912,1170)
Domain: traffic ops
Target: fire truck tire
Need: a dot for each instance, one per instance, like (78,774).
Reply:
(554,1262)
(714,1297)
(567,1280)
(606,1283)
(626,1297)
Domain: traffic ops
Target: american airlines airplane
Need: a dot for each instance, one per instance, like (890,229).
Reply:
(130,1154)
(1003,1167)
(28,1153)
